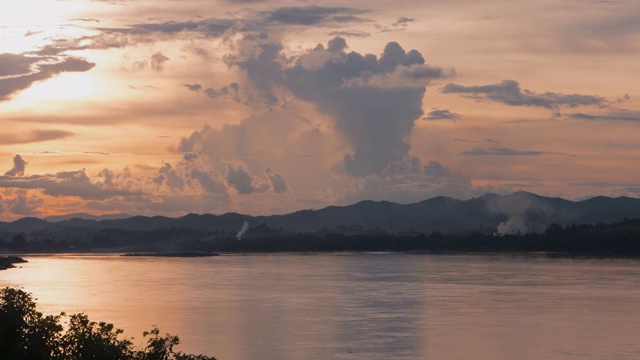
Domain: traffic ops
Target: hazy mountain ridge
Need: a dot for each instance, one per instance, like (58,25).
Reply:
(520,212)
(85,216)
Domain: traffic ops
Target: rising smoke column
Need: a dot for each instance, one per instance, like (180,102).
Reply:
(526,213)
(243,230)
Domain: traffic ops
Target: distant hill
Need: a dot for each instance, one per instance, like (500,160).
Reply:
(519,212)
(85,216)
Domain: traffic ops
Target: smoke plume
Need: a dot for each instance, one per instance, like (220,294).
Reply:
(526,213)
(243,230)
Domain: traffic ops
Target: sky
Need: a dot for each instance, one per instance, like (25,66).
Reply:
(167,107)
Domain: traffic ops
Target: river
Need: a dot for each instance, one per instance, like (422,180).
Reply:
(354,305)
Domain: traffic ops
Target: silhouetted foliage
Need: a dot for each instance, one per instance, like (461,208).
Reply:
(18,243)
(26,334)
(6,262)
(619,239)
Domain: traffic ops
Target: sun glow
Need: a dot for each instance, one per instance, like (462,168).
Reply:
(65,86)
(33,23)
(38,12)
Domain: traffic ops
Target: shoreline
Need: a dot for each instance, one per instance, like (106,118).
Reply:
(7,262)
(172,254)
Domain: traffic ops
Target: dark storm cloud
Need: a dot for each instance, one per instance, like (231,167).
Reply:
(188,175)
(509,92)
(239,178)
(12,85)
(444,114)
(33,136)
(278,184)
(261,61)
(505,152)
(394,56)
(168,176)
(313,15)
(207,181)
(377,122)
(374,101)
(374,117)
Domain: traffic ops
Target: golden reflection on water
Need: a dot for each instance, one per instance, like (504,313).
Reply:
(354,306)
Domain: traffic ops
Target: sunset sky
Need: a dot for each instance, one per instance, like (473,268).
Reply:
(169,107)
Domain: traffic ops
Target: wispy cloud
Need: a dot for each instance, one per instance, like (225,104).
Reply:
(475,141)
(442,114)
(33,136)
(629,116)
(313,15)
(350,33)
(506,152)
(509,92)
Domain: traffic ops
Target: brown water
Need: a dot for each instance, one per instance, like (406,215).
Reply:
(355,306)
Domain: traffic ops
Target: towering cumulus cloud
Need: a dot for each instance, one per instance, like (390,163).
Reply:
(373,101)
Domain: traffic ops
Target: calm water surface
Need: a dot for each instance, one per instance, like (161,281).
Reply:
(354,306)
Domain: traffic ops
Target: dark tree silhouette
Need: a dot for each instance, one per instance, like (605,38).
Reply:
(18,243)
(26,334)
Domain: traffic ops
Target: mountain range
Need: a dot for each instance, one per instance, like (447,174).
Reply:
(520,212)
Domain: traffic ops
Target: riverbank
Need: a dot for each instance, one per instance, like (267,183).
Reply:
(6,262)
(173,254)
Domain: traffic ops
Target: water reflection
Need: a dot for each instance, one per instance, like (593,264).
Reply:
(355,306)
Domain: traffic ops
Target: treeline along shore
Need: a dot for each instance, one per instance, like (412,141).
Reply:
(617,239)
(7,262)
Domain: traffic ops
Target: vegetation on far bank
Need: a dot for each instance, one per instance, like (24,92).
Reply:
(7,262)
(27,334)
(619,239)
